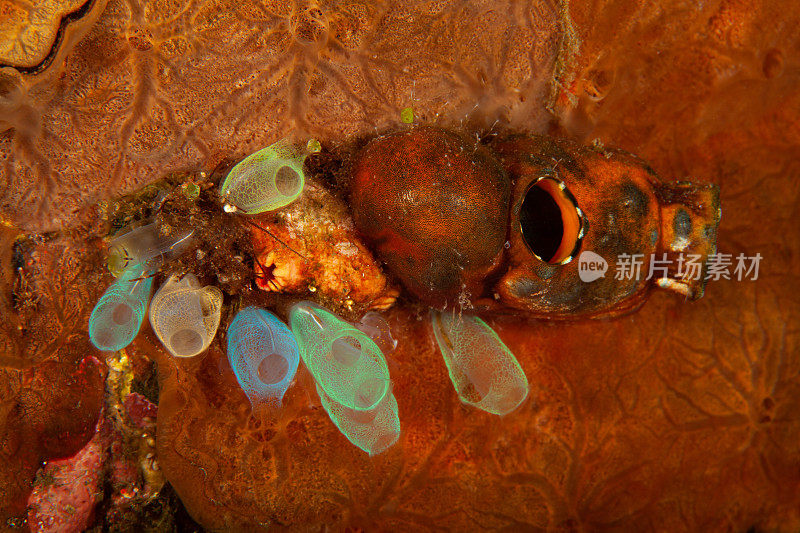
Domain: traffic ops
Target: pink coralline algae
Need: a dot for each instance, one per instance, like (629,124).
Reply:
(140,410)
(67,490)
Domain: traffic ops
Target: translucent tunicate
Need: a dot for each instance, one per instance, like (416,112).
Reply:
(263,354)
(118,315)
(377,328)
(185,316)
(345,362)
(483,370)
(374,430)
(151,245)
(265,180)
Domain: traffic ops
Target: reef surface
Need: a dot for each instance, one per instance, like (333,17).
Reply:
(679,416)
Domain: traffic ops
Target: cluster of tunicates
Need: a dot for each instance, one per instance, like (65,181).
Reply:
(347,361)
(351,376)
(349,368)
(135,255)
(347,365)
(185,316)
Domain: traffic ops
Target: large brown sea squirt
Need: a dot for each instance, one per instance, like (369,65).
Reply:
(569,200)
(434,206)
(438,211)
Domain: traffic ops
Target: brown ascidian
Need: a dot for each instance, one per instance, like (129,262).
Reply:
(434,206)
(503,227)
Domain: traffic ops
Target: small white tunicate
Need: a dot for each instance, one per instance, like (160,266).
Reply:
(185,316)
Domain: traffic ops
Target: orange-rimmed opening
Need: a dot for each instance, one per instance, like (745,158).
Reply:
(550,221)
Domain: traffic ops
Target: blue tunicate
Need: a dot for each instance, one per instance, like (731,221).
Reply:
(263,354)
(119,313)
(483,370)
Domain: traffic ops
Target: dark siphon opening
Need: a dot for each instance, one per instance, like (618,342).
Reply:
(541,222)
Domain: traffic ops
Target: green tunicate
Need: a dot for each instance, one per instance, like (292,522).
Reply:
(265,180)
(185,316)
(483,370)
(347,365)
(118,315)
(407,115)
(374,430)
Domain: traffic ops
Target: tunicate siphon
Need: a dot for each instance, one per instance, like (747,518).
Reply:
(483,370)
(265,180)
(263,354)
(118,315)
(185,316)
(345,362)
(151,245)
